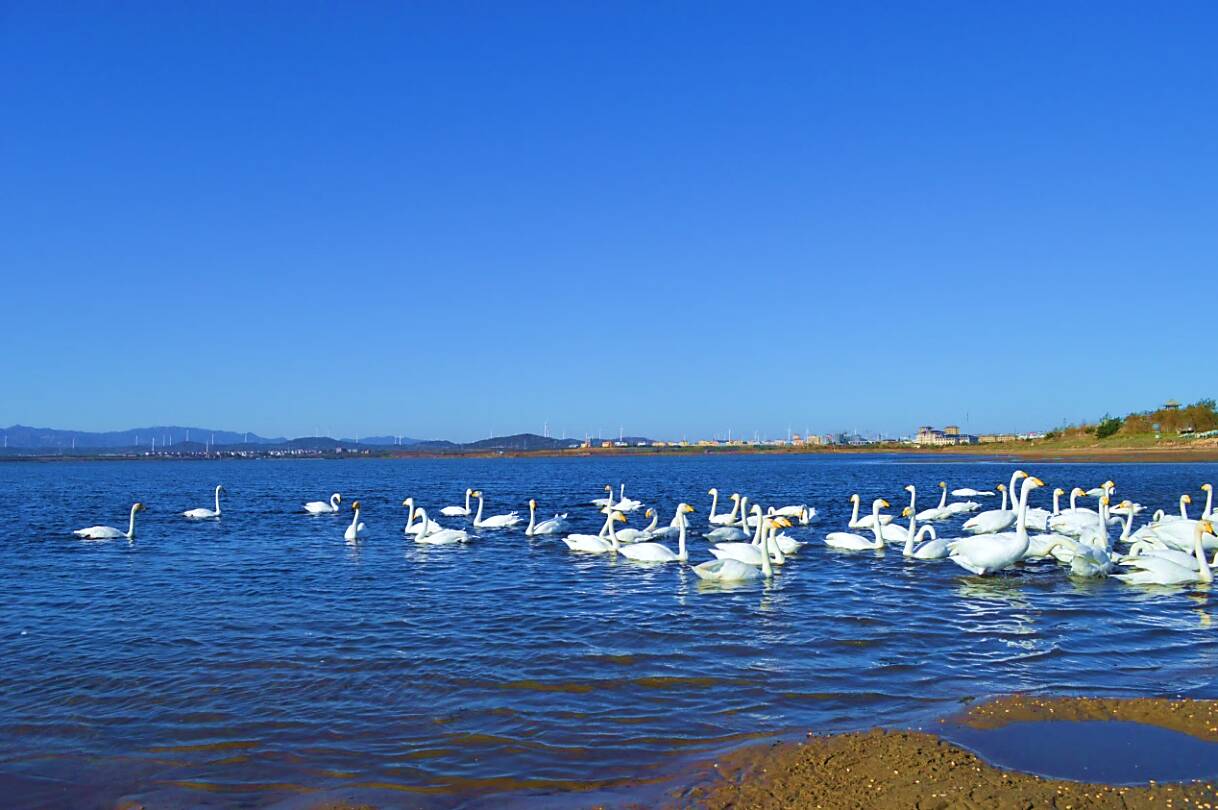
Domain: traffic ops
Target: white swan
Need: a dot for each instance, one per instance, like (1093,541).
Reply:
(969,492)
(856,542)
(803,513)
(595,543)
(109,532)
(988,553)
(734,570)
(625,504)
(751,552)
(1155,570)
(459,511)
(440,537)
(996,520)
(940,512)
(356,530)
(658,552)
(203,514)
(1092,555)
(1038,519)
(607,501)
(933,549)
(322,507)
(423,526)
(494,521)
(896,533)
(865,522)
(555,525)
(725,518)
(734,533)
(632,535)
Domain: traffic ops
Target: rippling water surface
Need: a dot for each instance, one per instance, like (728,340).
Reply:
(261,657)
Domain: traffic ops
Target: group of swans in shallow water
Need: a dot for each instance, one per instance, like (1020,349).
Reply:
(748,542)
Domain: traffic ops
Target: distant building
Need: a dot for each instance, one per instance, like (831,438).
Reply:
(606,443)
(1171,405)
(996,438)
(951,430)
(928,436)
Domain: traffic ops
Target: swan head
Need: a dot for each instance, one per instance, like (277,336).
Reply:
(1019,474)
(648,513)
(879,503)
(1033,482)
(355,505)
(618,517)
(1078,491)
(906,512)
(477,493)
(1186,499)
(685,508)
(532,503)
(469,491)
(1205,527)
(942,485)
(1001,487)
(608,488)
(712,491)
(910,488)
(1206,487)
(854,498)
(138,507)
(336,498)
(735,496)
(1059,491)
(406,502)
(219,487)
(779,522)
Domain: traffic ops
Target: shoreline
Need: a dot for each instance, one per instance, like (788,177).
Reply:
(883,768)
(1175,453)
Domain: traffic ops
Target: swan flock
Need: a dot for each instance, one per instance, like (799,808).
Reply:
(750,541)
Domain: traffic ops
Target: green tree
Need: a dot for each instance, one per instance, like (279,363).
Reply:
(1108,426)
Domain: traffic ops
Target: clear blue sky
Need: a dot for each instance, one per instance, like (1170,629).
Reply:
(440,219)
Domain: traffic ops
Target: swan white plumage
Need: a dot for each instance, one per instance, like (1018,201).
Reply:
(984,554)
(996,520)
(595,543)
(323,507)
(866,521)
(803,513)
(940,512)
(1038,519)
(632,535)
(969,492)
(724,518)
(607,501)
(896,533)
(625,504)
(109,532)
(494,521)
(555,525)
(733,570)
(933,549)
(733,533)
(459,511)
(440,537)
(856,542)
(658,552)
(203,514)
(356,530)
(751,552)
(1155,570)
(423,526)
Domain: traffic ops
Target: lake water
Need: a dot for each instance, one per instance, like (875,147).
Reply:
(262,659)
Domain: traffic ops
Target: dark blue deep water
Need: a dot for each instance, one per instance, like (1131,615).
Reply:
(262,659)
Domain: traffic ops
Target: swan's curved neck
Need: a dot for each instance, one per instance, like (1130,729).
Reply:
(943,498)
(1203,566)
(913,540)
(532,518)
(760,529)
(875,526)
(913,498)
(334,499)
(682,554)
(355,519)
(1005,502)
(1073,499)
(655,521)
(1057,501)
(467,496)
(714,505)
(854,515)
(1209,502)
(1183,507)
(1021,521)
(478,517)
(131,524)
(1103,535)
(744,513)
(217,500)
(1125,531)
(767,570)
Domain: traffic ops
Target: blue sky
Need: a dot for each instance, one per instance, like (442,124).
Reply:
(443,219)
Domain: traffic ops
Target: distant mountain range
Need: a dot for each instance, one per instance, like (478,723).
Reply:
(195,439)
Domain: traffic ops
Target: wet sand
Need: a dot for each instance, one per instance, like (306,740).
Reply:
(889,769)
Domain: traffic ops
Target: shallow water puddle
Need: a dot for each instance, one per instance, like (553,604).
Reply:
(1115,752)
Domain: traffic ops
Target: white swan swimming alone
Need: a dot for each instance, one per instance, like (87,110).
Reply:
(459,511)
(439,537)
(494,521)
(658,552)
(848,541)
(356,530)
(597,543)
(969,492)
(203,514)
(555,525)
(109,532)
(322,507)
(989,553)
